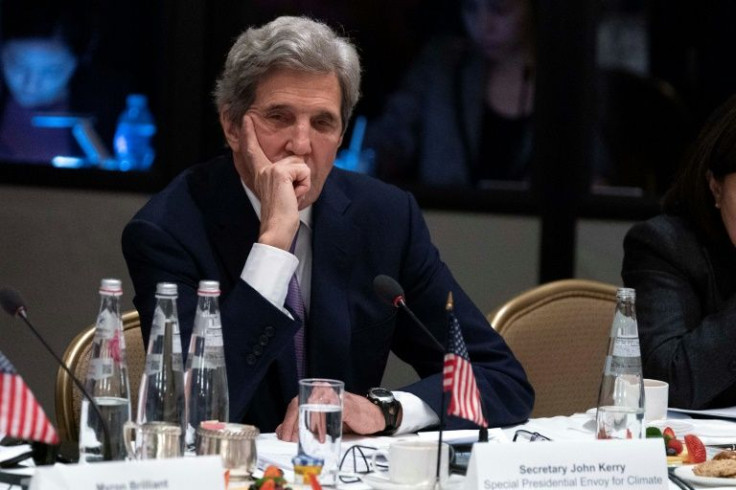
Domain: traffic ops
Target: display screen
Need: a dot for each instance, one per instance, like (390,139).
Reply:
(78,85)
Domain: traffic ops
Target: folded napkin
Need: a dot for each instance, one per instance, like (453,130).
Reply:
(715,431)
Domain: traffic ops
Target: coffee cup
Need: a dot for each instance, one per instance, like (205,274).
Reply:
(656,396)
(152,440)
(414,462)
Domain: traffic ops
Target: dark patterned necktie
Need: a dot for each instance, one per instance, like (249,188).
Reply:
(295,301)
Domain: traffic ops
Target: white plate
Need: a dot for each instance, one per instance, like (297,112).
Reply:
(686,473)
(379,480)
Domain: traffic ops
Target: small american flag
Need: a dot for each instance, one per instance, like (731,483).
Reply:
(458,377)
(21,416)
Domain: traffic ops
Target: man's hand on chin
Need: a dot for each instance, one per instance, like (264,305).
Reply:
(280,187)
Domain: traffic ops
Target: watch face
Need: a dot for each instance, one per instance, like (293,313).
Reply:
(381,394)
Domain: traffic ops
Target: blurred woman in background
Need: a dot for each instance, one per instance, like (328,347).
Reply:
(463,114)
(683,266)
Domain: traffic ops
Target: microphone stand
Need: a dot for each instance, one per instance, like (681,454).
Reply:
(400,302)
(443,409)
(107,450)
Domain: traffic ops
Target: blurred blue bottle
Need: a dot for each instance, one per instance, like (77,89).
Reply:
(134,134)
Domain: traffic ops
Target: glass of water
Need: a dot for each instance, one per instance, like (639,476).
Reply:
(320,423)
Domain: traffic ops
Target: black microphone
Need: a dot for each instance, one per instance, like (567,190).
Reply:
(392,293)
(14,305)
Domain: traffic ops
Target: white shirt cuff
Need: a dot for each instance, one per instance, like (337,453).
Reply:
(416,413)
(268,270)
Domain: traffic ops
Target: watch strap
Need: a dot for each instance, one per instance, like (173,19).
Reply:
(391,411)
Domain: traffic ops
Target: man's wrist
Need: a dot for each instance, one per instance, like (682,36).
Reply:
(390,409)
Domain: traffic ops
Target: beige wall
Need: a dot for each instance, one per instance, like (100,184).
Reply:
(56,245)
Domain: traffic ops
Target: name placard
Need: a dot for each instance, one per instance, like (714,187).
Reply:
(155,474)
(580,465)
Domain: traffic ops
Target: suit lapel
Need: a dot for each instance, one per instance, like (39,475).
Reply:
(333,255)
(231,222)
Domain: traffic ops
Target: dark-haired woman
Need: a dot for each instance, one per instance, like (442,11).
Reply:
(683,266)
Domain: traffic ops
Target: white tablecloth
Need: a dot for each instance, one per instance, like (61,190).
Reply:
(575,427)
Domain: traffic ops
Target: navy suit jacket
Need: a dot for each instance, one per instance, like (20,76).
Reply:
(202,226)
(686,309)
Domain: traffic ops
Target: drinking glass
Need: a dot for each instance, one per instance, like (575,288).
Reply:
(320,424)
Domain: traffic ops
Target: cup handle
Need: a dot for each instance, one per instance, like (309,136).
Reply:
(129,429)
(380,453)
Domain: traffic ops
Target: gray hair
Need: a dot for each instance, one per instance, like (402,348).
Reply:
(296,43)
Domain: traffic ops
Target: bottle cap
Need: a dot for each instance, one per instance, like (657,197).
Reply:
(136,100)
(111,287)
(209,288)
(166,289)
(626,293)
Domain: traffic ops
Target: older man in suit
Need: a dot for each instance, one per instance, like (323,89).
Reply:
(274,211)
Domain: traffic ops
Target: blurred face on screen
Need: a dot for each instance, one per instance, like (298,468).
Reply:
(37,70)
(498,27)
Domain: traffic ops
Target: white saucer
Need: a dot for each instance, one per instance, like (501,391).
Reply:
(380,481)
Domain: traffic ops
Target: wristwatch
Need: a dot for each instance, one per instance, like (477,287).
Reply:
(390,407)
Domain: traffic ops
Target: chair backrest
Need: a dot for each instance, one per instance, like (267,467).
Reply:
(559,332)
(76,356)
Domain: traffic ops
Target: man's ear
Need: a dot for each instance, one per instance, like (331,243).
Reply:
(716,187)
(230,130)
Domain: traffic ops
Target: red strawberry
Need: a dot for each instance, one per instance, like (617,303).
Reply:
(674,447)
(695,449)
(668,433)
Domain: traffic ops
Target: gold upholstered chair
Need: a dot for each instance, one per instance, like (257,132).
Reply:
(559,332)
(76,356)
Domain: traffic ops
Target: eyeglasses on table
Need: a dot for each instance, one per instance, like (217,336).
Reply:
(355,462)
(529,436)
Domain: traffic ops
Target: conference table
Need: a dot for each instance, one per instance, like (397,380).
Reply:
(577,427)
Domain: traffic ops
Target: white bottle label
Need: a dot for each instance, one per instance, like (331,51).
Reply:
(214,358)
(625,346)
(106,323)
(214,341)
(100,368)
(176,362)
(153,364)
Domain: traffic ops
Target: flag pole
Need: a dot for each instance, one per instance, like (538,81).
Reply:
(448,309)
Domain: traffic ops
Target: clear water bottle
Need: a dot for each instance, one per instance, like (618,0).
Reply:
(133,135)
(620,413)
(205,377)
(106,381)
(161,395)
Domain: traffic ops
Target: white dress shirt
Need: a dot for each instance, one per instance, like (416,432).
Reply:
(268,270)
